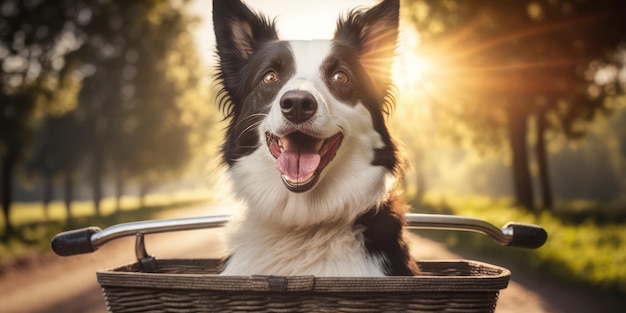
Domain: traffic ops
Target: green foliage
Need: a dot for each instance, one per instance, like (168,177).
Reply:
(31,76)
(528,56)
(501,64)
(585,245)
(33,231)
(136,96)
(99,90)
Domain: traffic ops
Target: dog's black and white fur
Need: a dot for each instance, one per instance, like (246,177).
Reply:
(307,148)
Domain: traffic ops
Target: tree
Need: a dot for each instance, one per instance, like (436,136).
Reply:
(509,62)
(58,152)
(57,148)
(165,85)
(112,84)
(31,53)
(18,110)
(133,100)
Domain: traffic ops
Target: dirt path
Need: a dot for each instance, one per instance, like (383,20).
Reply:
(68,285)
(528,292)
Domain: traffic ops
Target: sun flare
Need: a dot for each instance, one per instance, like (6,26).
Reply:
(413,69)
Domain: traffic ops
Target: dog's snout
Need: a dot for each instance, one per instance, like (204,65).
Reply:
(298,106)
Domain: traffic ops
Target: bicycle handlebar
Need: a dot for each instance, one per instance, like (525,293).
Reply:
(512,234)
(89,239)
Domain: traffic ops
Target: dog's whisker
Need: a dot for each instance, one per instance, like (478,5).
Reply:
(258,116)
(251,116)
(251,147)
(250,127)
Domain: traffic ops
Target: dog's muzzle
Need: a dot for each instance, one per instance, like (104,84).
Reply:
(301,158)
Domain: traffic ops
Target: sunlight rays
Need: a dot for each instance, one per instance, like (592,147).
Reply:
(464,62)
(473,50)
(411,68)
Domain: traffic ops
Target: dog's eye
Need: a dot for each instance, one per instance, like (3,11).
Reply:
(270,77)
(340,78)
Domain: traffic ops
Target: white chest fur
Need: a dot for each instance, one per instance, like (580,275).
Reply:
(329,250)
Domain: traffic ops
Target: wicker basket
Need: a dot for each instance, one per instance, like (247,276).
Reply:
(192,286)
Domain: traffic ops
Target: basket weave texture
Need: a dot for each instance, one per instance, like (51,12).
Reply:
(192,285)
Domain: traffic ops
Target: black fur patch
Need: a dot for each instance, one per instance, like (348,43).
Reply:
(248,48)
(242,136)
(368,39)
(383,237)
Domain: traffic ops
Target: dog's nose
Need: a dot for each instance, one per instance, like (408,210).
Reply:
(298,106)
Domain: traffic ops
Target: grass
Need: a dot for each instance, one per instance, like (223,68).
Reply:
(34,230)
(586,241)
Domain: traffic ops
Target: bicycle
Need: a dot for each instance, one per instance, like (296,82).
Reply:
(193,285)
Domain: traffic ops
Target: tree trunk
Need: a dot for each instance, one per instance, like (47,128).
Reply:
(143,190)
(542,162)
(6,189)
(97,181)
(517,126)
(48,193)
(119,190)
(68,194)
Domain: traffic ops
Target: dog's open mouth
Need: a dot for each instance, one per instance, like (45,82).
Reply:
(300,158)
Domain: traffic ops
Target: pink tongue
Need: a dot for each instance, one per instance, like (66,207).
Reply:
(299,159)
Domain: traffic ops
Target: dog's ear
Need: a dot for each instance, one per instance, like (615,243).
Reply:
(238,33)
(374,33)
(239,30)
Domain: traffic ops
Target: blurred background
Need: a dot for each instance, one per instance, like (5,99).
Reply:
(507,110)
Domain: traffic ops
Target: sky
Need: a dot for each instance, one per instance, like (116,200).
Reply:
(296,19)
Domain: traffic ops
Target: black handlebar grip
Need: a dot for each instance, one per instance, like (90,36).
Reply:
(74,242)
(527,235)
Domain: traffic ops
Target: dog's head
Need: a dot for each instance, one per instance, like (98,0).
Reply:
(307,139)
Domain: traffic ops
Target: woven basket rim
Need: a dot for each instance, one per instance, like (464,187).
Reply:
(487,278)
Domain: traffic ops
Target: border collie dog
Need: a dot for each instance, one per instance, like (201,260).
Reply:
(307,148)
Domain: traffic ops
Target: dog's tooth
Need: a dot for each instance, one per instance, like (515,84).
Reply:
(319,145)
(322,150)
